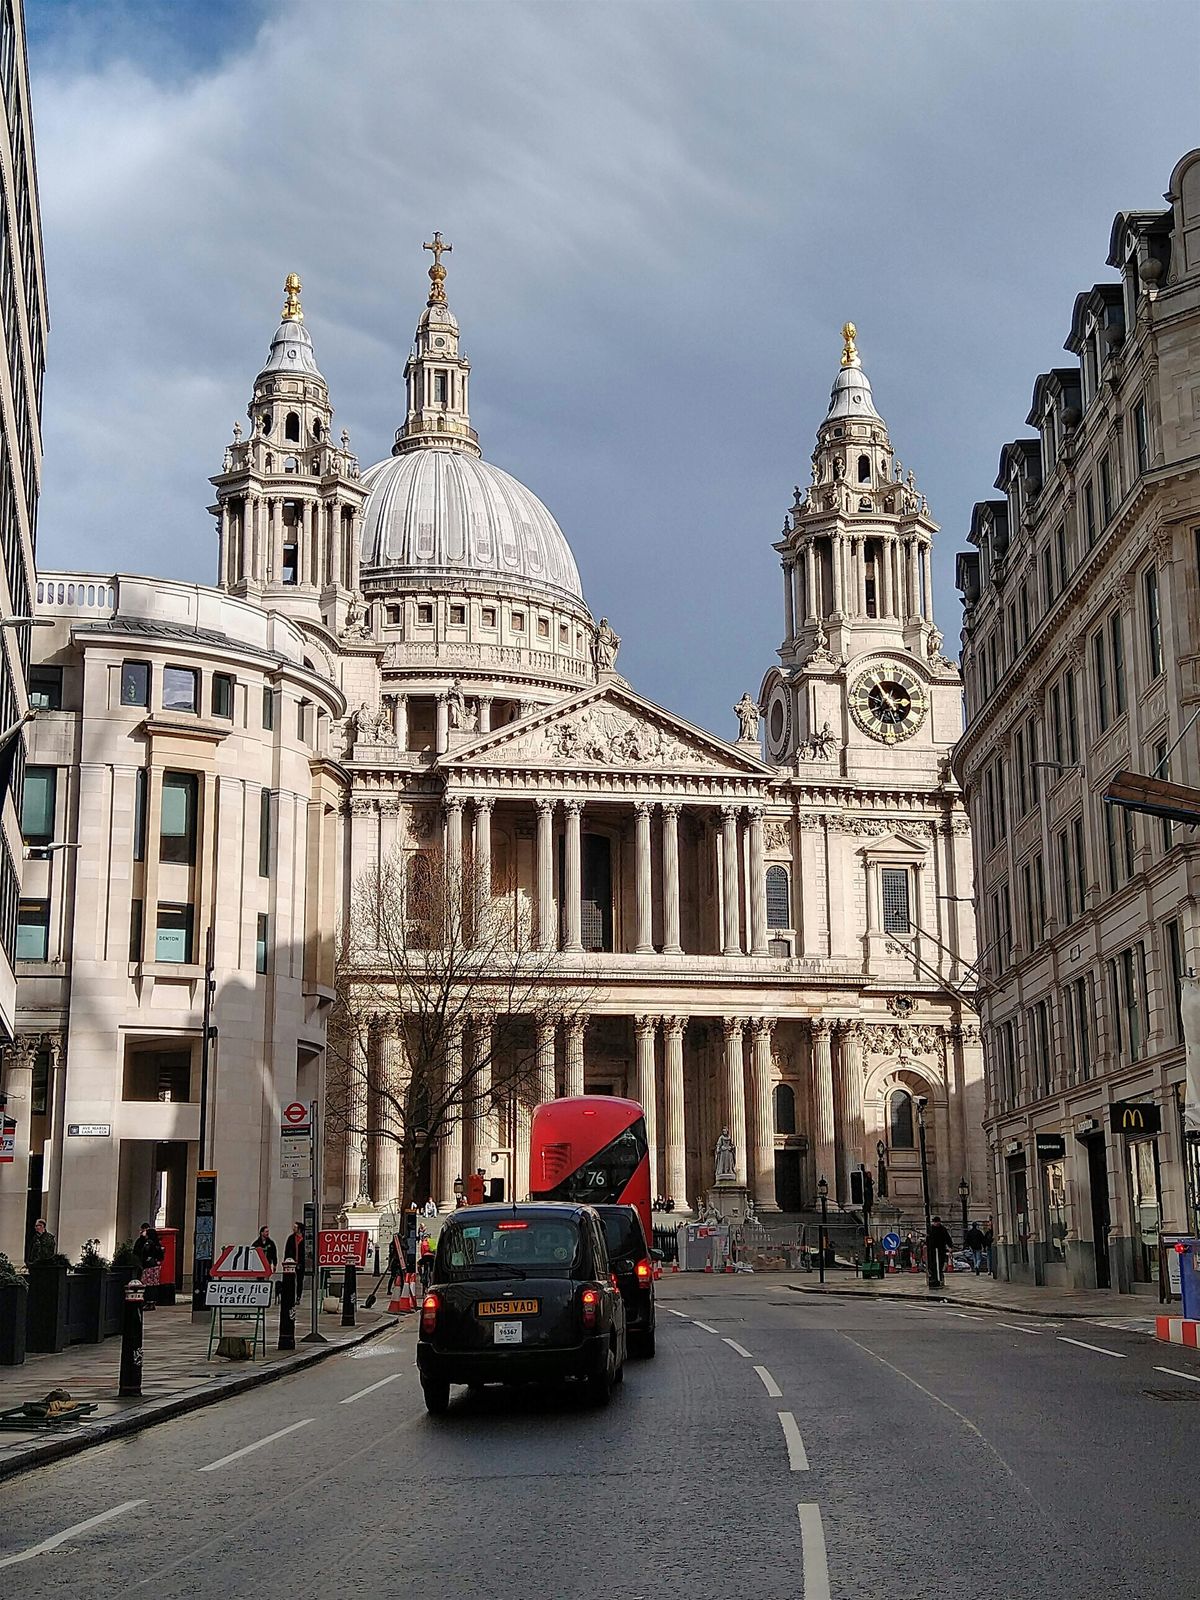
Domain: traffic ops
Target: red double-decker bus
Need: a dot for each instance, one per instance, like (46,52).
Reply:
(593,1149)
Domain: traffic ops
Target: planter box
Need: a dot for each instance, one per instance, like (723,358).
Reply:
(46,1320)
(85,1302)
(13,1311)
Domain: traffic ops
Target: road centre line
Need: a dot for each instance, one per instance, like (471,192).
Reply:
(797,1455)
(705,1326)
(675,1313)
(769,1384)
(69,1533)
(1117,1355)
(1192,1377)
(370,1389)
(965,1315)
(739,1349)
(1018,1328)
(812,1545)
(249,1448)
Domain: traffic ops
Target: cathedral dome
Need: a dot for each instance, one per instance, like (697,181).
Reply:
(444,512)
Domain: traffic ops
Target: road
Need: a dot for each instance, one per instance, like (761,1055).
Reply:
(778,1446)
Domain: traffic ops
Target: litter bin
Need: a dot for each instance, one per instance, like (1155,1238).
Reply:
(1189,1276)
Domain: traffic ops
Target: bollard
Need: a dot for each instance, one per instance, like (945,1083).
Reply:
(348,1296)
(287,1307)
(130,1387)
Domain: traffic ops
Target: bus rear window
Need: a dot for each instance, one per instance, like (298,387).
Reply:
(602,1178)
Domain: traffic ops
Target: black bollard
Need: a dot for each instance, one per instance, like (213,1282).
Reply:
(348,1296)
(131,1342)
(287,1307)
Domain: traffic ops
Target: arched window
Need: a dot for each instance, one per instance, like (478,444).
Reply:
(316,427)
(264,422)
(864,469)
(779,909)
(785,1108)
(291,427)
(900,1121)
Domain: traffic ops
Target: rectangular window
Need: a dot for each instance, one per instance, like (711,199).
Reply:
(177,842)
(141,788)
(518,622)
(1019,763)
(1141,438)
(268,709)
(261,942)
(458,616)
(894,884)
(264,833)
(1006,938)
(33,930)
(135,683)
(38,805)
(1117,652)
(1008,1051)
(1033,745)
(1153,620)
(1080,875)
(1072,712)
(1039,898)
(1047,578)
(1131,1003)
(1056,724)
(180,686)
(1106,489)
(173,940)
(135,930)
(1100,679)
(425,616)
(1083,1026)
(989,805)
(487,616)
(439,388)
(1162,769)
(1089,513)
(1060,545)
(1128,841)
(222,695)
(1175,971)
(301,720)
(1110,848)
(45,688)
(1027,906)
(1065,883)
(543,627)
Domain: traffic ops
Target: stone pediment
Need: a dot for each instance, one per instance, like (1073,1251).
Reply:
(895,844)
(607,727)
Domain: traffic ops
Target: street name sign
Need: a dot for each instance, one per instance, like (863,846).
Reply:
(342,1247)
(89,1130)
(241,1261)
(233,1294)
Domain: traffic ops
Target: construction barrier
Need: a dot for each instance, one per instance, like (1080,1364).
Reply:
(1178,1330)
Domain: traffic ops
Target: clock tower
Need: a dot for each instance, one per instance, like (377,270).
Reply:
(862,690)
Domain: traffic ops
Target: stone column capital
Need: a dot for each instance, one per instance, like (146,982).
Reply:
(670,808)
(755,814)
(576,1026)
(453,802)
(820,1028)
(733,1027)
(729,815)
(573,808)
(675,1026)
(762,1027)
(643,808)
(646,1025)
(484,804)
(546,807)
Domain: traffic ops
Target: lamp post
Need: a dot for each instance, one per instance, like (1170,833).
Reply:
(964,1194)
(823,1194)
(929,1260)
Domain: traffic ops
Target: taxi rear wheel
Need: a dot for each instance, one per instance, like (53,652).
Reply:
(600,1384)
(437,1396)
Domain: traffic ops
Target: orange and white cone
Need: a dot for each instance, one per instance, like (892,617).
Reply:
(406,1299)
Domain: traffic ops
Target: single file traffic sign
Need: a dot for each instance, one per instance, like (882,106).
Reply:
(245,1261)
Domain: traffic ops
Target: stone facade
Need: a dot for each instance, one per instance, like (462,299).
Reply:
(1081,635)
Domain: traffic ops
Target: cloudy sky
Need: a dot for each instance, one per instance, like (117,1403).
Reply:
(661,214)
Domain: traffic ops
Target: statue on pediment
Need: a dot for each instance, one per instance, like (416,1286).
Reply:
(748,715)
(605,646)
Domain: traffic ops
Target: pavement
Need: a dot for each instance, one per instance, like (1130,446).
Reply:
(177,1376)
(791,1446)
(994,1294)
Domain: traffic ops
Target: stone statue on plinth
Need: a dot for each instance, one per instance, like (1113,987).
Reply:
(726,1158)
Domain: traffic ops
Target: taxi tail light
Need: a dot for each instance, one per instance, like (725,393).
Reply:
(644,1271)
(429,1313)
(589,1301)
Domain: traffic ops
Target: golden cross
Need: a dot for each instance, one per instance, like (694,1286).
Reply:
(438,248)
(291,303)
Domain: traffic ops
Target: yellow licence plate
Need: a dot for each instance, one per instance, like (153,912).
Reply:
(508,1308)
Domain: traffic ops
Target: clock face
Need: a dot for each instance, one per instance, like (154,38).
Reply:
(888,702)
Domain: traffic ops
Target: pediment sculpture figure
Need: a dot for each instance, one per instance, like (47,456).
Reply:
(748,714)
(456,706)
(605,646)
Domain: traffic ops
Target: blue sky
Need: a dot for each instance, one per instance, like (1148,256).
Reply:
(662,213)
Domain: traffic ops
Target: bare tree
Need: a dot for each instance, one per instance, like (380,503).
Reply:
(441,989)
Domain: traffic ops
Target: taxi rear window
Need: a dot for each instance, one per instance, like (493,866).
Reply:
(489,1247)
(622,1231)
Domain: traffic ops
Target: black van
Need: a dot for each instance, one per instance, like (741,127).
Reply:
(521,1294)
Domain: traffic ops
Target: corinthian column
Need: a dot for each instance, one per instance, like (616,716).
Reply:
(676,1144)
(761,1030)
(758,886)
(850,1111)
(391,1087)
(573,876)
(547,932)
(450,1159)
(546,1032)
(735,1094)
(483,865)
(574,1079)
(644,935)
(670,836)
(729,881)
(789,603)
(645,1030)
(826,1148)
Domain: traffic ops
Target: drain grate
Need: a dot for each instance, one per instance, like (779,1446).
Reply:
(1172,1394)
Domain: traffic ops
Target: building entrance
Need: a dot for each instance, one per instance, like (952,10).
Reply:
(1097,1153)
(789,1188)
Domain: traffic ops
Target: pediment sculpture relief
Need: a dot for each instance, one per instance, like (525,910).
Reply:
(603,735)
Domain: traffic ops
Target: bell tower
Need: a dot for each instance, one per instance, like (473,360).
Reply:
(289,499)
(436,376)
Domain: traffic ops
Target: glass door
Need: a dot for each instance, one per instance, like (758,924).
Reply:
(1143,1187)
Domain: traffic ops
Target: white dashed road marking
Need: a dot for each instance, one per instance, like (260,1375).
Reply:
(257,1445)
(705,1326)
(738,1349)
(1192,1377)
(797,1455)
(675,1313)
(1117,1355)
(769,1384)
(69,1533)
(812,1542)
(965,1315)
(1017,1328)
(370,1389)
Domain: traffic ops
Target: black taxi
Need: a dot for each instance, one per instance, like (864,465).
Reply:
(521,1294)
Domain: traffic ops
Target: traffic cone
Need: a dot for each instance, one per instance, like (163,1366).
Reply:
(406,1299)
(675,1265)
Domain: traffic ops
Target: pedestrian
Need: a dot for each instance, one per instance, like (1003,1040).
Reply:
(149,1253)
(41,1245)
(294,1250)
(907,1248)
(429,1209)
(989,1245)
(412,1228)
(974,1241)
(425,1254)
(266,1244)
(938,1244)
(395,1261)
(476,1187)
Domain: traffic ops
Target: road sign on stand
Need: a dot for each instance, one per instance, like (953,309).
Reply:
(235,1294)
(342,1247)
(890,1242)
(241,1261)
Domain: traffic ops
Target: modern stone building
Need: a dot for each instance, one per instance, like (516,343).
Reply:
(1081,636)
(22,364)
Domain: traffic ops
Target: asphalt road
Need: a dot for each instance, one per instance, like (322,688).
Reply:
(778,1446)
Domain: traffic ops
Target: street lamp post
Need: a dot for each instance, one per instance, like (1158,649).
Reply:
(929,1261)
(964,1194)
(823,1194)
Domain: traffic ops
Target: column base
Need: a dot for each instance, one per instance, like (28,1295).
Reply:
(672,949)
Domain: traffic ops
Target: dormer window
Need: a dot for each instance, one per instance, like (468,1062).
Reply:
(291,428)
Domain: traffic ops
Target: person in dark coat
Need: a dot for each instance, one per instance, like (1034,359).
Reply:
(294,1249)
(976,1244)
(149,1253)
(939,1244)
(266,1244)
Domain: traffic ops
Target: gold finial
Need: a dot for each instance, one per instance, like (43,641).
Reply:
(291,299)
(849,349)
(437,272)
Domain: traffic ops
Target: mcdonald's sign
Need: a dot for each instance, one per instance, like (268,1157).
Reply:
(1136,1119)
